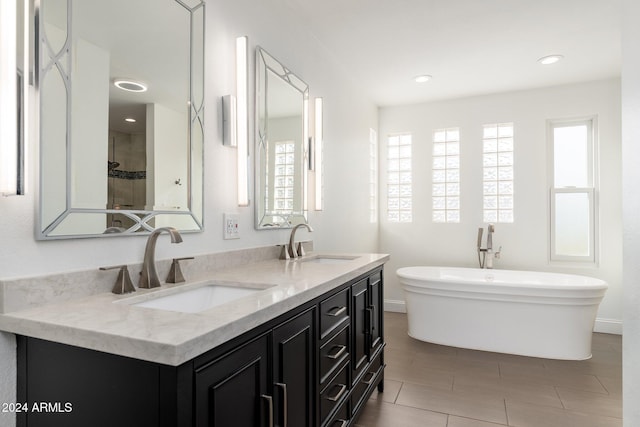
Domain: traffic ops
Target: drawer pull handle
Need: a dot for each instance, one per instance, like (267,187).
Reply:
(343,423)
(339,351)
(339,394)
(285,411)
(374,318)
(269,400)
(370,380)
(336,311)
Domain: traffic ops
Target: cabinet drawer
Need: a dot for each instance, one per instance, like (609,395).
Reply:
(333,353)
(365,382)
(333,311)
(341,417)
(334,393)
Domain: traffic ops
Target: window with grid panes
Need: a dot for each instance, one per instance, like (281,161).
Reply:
(497,183)
(446,175)
(399,180)
(284,176)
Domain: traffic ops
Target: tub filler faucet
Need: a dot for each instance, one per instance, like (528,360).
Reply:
(486,255)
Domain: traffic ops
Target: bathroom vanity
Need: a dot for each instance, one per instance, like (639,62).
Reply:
(308,351)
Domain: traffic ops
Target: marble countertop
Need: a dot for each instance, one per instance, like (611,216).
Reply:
(108,322)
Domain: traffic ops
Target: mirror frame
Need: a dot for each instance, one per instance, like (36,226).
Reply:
(266,63)
(141,218)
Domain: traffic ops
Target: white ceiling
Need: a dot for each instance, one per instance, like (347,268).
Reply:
(470,47)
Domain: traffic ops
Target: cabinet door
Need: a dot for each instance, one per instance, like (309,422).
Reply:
(232,390)
(360,327)
(375,313)
(293,371)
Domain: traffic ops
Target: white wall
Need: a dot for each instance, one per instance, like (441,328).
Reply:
(525,242)
(348,116)
(631,209)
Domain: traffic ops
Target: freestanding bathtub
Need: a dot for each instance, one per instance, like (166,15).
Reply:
(537,314)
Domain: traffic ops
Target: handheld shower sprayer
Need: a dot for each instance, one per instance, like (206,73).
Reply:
(486,255)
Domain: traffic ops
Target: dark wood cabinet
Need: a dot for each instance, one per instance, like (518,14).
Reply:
(313,366)
(236,380)
(294,360)
(368,338)
(267,381)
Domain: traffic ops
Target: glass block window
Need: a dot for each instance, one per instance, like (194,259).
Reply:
(373,176)
(284,176)
(399,191)
(497,182)
(446,175)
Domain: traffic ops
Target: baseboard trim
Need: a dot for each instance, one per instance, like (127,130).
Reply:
(608,326)
(396,306)
(602,325)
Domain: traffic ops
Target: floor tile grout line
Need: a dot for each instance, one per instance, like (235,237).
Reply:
(603,386)
(506,413)
(559,397)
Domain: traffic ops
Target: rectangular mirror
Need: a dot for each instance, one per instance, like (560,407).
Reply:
(281,144)
(120,116)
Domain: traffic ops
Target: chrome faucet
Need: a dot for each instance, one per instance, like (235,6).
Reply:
(487,255)
(149,274)
(293,253)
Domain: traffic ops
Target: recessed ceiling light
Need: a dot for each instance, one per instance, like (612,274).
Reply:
(550,59)
(423,78)
(130,120)
(130,85)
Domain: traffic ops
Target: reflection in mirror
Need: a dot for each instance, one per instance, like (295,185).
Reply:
(281,145)
(128,157)
(11,97)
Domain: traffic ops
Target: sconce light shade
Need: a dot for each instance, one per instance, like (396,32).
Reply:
(229,123)
(8,100)
(242,120)
(318,123)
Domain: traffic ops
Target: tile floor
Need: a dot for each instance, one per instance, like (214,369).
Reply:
(428,385)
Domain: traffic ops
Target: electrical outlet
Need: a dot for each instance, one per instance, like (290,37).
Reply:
(231,227)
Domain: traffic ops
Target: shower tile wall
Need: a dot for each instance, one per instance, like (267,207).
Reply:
(128,191)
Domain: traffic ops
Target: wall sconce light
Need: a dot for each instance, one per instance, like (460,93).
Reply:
(229,121)
(235,121)
(242,120)
(318,137)
(9,137)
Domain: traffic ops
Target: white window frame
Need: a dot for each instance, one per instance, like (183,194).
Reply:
(590,190)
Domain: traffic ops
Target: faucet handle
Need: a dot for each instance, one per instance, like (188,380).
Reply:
(497,254)
(300,250)
(284,253)
(123,283)
(175,272)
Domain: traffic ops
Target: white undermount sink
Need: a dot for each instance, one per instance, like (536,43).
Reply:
(328,259)
(195,300)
